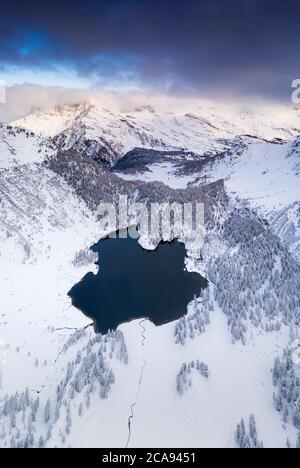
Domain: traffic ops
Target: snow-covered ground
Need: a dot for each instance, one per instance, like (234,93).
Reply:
(37,321)
(43,225)
(287,226)
(206,415)
(164,172)
(264,174)
(267,177)
(209,128)
(20,146)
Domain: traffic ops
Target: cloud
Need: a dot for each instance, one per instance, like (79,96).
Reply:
(191,46)
(24,99)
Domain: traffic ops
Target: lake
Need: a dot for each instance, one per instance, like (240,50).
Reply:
(135,283)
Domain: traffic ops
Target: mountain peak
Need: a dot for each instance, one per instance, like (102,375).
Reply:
(145,108)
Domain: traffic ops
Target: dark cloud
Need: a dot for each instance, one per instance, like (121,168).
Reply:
(186,45)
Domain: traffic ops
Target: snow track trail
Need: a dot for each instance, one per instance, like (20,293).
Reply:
(130,418)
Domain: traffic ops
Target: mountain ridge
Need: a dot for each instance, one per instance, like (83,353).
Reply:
(107,135)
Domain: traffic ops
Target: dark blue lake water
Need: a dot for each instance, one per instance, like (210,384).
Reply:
(135,283)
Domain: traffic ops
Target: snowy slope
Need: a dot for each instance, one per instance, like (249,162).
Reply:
(164,173)
(37,322)
(287,226)
(20,146)
(107,135)
(264,174)
(91,387)
(45,234)
(39,215)
(267,177)
(206,414)
(43,226)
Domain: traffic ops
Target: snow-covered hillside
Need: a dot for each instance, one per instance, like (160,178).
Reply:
(63,385)
(264,175)
(73,388)
(267,177)
(21,146)
(45,231)
(106,135)
(287,226)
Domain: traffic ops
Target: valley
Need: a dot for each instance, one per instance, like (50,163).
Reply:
(64,385)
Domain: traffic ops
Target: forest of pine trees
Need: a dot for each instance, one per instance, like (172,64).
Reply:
(286,379)
(256,281)
(26,422)
(246,435)
(197,319)
(184,377)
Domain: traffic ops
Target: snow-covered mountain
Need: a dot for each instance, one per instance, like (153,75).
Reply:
(267,177)
(21,146)
(185,384)
(264,175)
(287,226)
(107,136)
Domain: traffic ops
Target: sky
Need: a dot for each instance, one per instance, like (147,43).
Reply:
(187,47)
